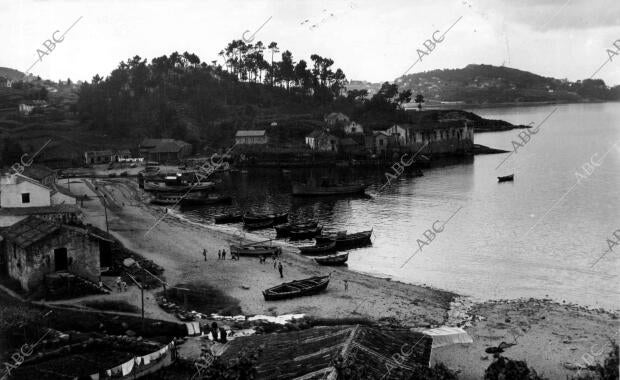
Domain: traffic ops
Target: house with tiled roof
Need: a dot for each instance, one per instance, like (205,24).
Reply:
(164,150)
(316,353)
(251,137)
(34,247)
(322,141)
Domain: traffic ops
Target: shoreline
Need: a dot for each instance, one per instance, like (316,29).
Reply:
(569,330)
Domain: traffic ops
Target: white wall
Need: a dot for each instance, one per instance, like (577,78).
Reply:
(11,193)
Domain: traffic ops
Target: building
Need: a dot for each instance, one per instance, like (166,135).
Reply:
(449,136)
(336,118)
(381,142)
(35,247)
(311,353)
(398,134)
(251,137)
(164,150)
(322,141)
(350,146)
(353,128)
(41,173)
(26,108)
(93,157)
(5,82)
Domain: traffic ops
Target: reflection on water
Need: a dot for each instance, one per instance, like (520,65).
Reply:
(484,251)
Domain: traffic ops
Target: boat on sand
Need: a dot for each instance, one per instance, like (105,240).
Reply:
(299,288)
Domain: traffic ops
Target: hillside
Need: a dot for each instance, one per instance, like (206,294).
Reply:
(11,74)
(487,84)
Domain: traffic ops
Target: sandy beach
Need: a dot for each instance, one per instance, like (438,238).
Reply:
(548,334)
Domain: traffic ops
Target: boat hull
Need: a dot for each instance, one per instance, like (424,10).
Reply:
(356,240)
(332,260)
(300,288)
(318,249)
(255,251)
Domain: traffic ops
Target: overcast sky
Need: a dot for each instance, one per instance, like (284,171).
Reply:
(369,39)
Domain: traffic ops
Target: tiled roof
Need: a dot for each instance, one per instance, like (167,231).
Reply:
(309,353)
(42,210)
(29,231)
(250,133)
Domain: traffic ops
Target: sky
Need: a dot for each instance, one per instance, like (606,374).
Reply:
(373,40)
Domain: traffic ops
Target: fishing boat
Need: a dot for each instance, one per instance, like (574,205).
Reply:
(205,199)
(326,187)
(231,217)
(250,217)
(506,178)
(255,250)
(285,229)
(160,187)
(345,241)
(299,288)
(258,225)
(319,248)
(305,233)
(167,199)
(337,259)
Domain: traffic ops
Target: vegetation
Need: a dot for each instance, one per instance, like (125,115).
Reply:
(504,368)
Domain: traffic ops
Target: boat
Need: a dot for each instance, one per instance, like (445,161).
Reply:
(165,188)
(337,259)
(285,229)
(250,217)
(305,233)
(205,199)
(327,187)
(319,248)
(345,241)
(299,288)
(506,178)
(258,225)
(167,199)
(255,250)
(231,217)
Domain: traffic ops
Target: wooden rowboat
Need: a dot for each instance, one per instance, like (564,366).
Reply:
(228,218)
(345,241)
(258,225)
(297,288)
(256,218)
(337,259)
(255,250)
(285,229)
(305,233)
(506,178)
(319,248)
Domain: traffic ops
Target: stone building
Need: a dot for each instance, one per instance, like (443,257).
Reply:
(164,150)
(251,137)
(453,136)
(322,141)
(35,247)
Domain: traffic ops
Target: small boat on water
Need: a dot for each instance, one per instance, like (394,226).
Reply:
(231,217)
(164,188)
(506,178)
(319,248)
(285,229)
(345,241)
(255,250)
(258,225)
(167,199)
(299,288)
(337,259)
(305,233)
(250,217)
(327,187)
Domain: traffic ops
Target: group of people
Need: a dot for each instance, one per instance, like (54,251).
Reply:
(221,255)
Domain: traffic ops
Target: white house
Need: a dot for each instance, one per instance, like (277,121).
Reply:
(20,191)
(398,133)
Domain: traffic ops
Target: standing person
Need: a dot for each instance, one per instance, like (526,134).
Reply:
(219,254)
(346,285)
(223,254)
(118,283)
(204,253)
(280,269)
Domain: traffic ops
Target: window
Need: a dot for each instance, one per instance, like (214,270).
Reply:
(25,197)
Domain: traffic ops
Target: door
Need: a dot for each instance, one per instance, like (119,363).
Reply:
(60,259)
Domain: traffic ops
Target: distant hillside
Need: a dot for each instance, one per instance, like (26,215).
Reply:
(487,84)
(11,74)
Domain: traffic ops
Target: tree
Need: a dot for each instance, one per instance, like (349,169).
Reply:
(419,99)
(287,68)
(273,47)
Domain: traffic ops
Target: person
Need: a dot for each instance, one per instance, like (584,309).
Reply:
(275,261)
(346,285)
(204,253)
(124,286)
(118,283)
(214,330)
(219,254)
(100,283)
(223,254)
(280,269)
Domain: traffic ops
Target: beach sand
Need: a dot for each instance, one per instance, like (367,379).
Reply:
(549,334)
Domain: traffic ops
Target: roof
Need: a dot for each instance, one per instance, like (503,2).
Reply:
(250,133)
(376,133)
(22,178)
(41,210)
(29,231)
(38,172)
(434,125)
(336,115)
(163,145)
(315,133)
(309,353)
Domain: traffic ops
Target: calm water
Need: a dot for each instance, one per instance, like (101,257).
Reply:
(485,250)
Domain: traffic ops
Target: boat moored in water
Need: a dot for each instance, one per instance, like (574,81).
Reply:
(319,248)
(345,241)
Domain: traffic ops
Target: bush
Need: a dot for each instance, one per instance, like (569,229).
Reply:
(504,368)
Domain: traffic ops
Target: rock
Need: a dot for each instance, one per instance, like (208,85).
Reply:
(128,262)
